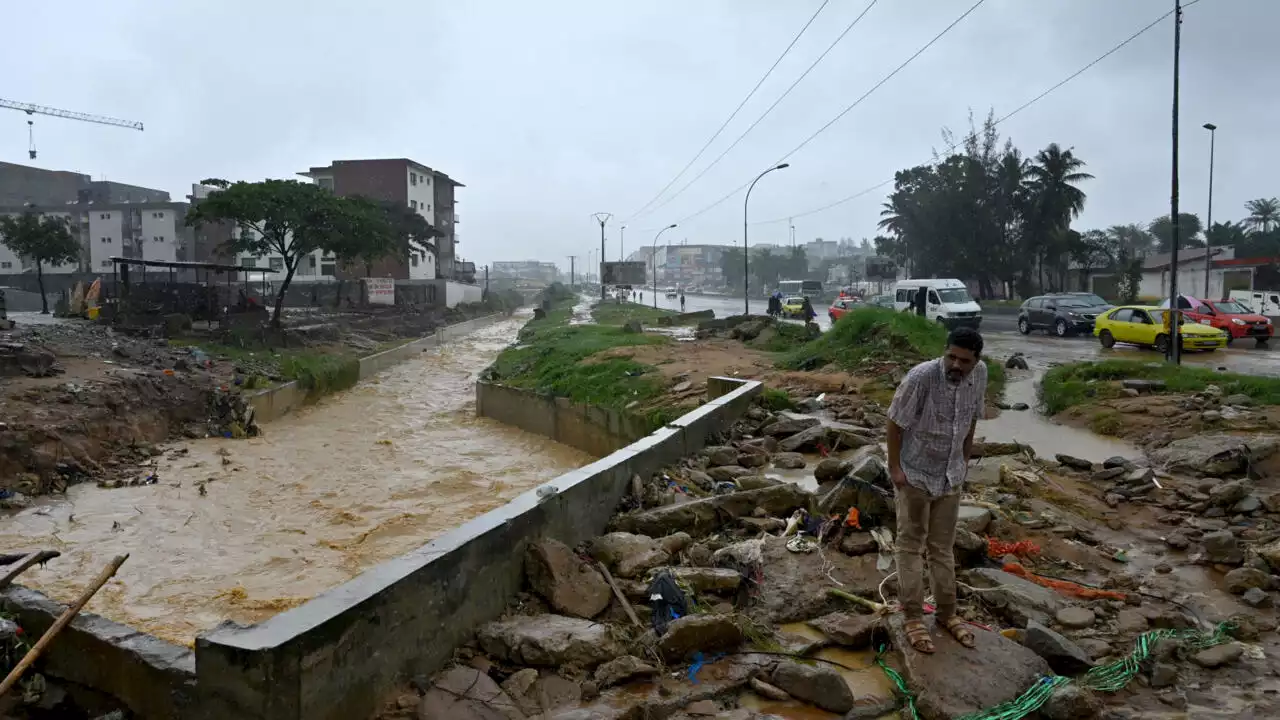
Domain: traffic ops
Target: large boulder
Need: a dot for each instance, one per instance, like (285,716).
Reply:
(847,628)
(1271,554)
(956,681)
(1222,547)
(700,633)
(627,554)
(702,516)
(621,670)
(1243,579)
(708,579)
(831,469)
(1226,494)
(721,455)
(805,440)
(464,693)
(549,640)
(816,684)
(794,586)
(1215,454)
(570,585)
(790,426)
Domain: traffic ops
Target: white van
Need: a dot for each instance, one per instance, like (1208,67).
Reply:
(1263,302)
(947,301)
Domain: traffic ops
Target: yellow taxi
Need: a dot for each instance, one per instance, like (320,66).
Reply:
(1148,326)
(793,306)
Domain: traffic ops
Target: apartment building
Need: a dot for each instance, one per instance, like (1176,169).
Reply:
(685,265)
(142,230)
(427,191)
(23,185)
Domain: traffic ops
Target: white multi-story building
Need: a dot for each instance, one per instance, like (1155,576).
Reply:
(138,231)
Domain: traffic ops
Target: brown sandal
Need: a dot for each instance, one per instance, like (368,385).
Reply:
(918,636)
(961,632)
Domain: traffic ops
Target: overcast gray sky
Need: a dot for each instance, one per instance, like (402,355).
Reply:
(553,110)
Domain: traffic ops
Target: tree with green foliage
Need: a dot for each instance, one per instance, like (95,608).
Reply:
(402,232)
(39,239)
(288,218)
(1264,214)
(1189,229)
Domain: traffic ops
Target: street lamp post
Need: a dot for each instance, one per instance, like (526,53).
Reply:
(1208,247)
(602,218)
(622,244)
(1174,313)
(746,295)
(653,258)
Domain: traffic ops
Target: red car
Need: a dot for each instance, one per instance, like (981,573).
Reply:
(1236,320)
(842,306)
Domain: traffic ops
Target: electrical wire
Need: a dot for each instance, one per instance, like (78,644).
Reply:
(1017,110)
(768,110)
(848,108)
(735,112)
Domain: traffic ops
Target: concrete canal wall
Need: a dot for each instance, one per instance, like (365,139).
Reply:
(342,653)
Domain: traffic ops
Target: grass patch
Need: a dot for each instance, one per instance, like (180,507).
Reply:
(775,399)
(1076,384)
(552,357)
(881,335)
(784,338)
(1107,422)
(321,374)
(317,372)
(610,313)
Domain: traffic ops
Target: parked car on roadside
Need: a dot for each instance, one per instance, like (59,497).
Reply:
(1229,316)
(884,301)
(842,306)
(1146,326)
(1062,314)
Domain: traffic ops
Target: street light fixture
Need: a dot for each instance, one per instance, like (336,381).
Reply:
(1208,247)
(622,244)
(746,296)
(653,258)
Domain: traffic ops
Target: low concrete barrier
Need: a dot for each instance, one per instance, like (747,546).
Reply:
(341,654)
(274,403)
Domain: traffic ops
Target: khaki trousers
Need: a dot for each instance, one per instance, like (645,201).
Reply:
(926,522)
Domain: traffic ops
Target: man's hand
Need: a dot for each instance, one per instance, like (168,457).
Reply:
(898,477)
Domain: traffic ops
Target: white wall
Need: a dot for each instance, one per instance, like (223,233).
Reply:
(1155,283)
(159,235)
(423,267)
(106,238)
(456,292)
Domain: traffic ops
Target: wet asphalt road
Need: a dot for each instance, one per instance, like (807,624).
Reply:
(1041,350)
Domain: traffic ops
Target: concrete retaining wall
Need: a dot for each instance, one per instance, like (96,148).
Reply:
(342,653)
(276,402)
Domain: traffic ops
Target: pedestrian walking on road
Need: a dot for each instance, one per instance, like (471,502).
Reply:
(931,423)
(681,302)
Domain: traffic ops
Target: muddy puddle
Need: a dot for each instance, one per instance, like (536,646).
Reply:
(242,530)
(1046,437)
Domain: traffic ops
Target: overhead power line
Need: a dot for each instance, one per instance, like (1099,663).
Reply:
(1017,110)
(770,109)
(850,107)
(735,112)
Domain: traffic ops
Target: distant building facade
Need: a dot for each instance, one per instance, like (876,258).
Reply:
(685,265)
(525,270)
(143,231)
(23,185)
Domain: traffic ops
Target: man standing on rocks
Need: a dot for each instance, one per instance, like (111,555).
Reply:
(931,424)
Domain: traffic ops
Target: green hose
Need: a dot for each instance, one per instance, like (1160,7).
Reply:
(1105,678)
(908,698)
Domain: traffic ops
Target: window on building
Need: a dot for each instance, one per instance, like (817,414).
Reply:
(311,262)
(426,179)
(327,269)
(104,216)
(6,265)
(413,178)
(428,207)
(158,238)
(106,240)
(413,260)
(413,204)
(106,263)
(277,263)
(249,262)
(326,183)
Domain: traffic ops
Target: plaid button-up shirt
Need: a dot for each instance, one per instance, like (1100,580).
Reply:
(935,416)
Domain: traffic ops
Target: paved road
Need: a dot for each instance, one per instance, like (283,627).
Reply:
(1041,350)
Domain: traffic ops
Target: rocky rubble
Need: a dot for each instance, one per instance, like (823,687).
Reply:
(733,584)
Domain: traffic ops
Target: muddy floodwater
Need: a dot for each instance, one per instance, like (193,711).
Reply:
(324,494)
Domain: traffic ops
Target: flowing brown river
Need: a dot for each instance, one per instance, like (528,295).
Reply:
(324,494)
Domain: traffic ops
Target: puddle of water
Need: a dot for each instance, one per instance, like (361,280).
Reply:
(864,678)
(326,493)
(1046,437)
(582,311)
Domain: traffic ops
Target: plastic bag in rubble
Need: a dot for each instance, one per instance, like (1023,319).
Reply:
(666,601)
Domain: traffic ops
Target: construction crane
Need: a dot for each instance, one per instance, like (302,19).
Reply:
(32,109)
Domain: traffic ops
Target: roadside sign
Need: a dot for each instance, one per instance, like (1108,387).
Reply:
(381,291)
(624,273)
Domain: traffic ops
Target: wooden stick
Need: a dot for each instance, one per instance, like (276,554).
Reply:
(63,620)
(617,592)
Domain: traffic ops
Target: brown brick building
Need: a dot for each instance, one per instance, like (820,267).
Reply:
(417,186)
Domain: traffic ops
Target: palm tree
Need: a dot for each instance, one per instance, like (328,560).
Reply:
(1054,201)
(1264,214)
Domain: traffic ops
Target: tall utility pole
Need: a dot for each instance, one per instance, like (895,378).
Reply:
(602,218)
(1175,315)
(792,223)
(572,283)
(622,244)
(1208,246)
(653,258)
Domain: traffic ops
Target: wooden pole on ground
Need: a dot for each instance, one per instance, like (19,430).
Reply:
(24,562)
(63,620)
(617,592)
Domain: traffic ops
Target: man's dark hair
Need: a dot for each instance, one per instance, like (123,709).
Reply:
(967,338)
